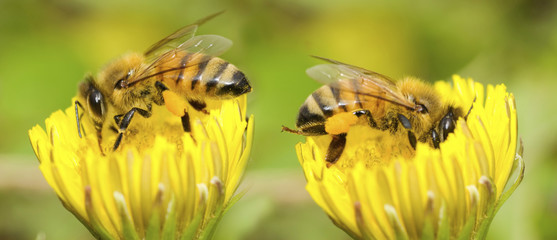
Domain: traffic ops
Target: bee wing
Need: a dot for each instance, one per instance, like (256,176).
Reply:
(180,36)
(360,81)
(212,45)
(183,40)
(199,47)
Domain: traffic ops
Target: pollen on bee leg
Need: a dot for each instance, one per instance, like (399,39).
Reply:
(340,123)
(174,103)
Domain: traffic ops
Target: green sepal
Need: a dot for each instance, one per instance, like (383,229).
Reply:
(400,233)
(489,191)
(153,231)
(169,228)
(444,231)
(468,230)
(94,225)
(518,171)
(428,231)
(128,229)
(196,223)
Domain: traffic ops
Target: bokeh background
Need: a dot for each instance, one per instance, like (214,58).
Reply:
(47,46)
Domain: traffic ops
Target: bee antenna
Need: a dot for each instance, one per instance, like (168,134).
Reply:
(77,103)
(471,106)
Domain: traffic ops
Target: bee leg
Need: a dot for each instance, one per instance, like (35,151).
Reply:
(186,117)
(406,124)
(470,110)
(175,104)
(335,148)
(412,139)
(118,118)
(389,122)
(99,140)
(310,129)
(118,140)
(186,122)
(161,86)
(198,105)
(124,122)
(404,121)
(435,138)
(113,128)
(446,125)
(290,130)
(367,114)
(160,100)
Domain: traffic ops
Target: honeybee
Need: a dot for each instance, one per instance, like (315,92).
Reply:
(409,109)
(180,71)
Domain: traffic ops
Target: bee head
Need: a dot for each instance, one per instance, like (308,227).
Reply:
(428,105)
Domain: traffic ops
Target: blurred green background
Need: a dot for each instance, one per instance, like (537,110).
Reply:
(47,46)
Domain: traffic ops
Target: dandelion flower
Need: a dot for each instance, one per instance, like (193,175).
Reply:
(450,192)
(164,188)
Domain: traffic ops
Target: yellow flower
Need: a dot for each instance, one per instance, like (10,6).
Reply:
(167,188)
(450,192)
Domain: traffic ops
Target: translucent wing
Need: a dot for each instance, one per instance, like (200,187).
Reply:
(359,81)
(212,45)
(199,49)
(180,36)
(168,52)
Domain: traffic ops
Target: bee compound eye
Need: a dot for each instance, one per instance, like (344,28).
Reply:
(95,102)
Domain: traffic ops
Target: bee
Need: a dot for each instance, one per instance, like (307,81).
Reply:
(409,109)
(180,71)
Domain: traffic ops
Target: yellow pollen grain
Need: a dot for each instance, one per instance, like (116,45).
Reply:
(174,103)
(340,123)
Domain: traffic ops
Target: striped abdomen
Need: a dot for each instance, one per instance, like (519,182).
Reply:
(326,101)
(199,76)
